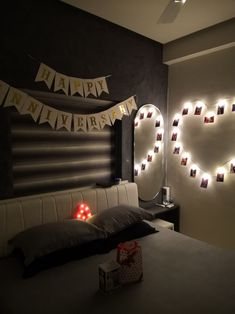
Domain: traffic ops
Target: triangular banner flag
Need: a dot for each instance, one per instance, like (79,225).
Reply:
(15,98)
(64,120)
(61,83)
(76,86)
(131,104)
(79,122)
(45,74)
(101,85)
(89,87)
(93,122)
(122,108)
(114,113)
(3,91)
(48,115)
(32,107)
(104,119)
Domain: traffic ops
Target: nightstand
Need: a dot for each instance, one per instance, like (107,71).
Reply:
(169,214)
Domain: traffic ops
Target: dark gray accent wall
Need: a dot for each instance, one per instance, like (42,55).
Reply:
(79,44)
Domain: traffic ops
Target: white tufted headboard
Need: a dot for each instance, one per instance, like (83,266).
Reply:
(21,213)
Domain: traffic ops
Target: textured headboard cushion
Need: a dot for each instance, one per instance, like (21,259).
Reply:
(24,212)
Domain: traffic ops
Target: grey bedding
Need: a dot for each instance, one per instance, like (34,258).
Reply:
(181,275)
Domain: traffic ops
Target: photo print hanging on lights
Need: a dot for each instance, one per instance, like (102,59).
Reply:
(198,108)
(205,180)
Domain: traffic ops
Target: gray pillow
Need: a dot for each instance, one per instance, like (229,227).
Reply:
(118,218)
(44,239)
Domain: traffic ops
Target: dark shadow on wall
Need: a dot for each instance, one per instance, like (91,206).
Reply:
(79,44)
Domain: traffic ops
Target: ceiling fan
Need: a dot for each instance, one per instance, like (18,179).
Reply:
(171,11)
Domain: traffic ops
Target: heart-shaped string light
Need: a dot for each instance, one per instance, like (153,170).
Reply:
(209,118)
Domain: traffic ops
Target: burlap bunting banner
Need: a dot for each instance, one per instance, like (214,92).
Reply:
(71,85)
(25,104)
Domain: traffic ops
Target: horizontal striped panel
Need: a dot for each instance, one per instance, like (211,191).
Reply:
(47,160)
(59,182)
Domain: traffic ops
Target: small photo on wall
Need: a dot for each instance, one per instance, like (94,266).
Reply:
(232,168)
(220,110)
(198,111)
(174,137)
(193,173)
(185,111)
(159,137)
(204,183)
(157,123)
(209,119)
(175,122)
(220,177)
(149,158)
(149,114)
(156,149)
(143,166)
(176,150)
(184,161)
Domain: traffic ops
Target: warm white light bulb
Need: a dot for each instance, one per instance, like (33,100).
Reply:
(186,155)
(176,131)
(222,103)
(200,104)
(233,162)
(187,105)
(220,170)
(194,167)
(206,176)
(210,114)
(176,116)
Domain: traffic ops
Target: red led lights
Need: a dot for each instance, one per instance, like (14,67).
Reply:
(83,212)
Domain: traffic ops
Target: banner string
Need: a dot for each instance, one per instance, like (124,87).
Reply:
(33,58)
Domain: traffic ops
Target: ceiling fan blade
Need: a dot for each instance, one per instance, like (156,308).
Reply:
(171,12)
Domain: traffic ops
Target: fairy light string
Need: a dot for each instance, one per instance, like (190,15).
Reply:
(149,113)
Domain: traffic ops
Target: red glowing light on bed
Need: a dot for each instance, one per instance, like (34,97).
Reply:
(83,212)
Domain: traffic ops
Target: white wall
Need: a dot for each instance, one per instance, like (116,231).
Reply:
(206,214)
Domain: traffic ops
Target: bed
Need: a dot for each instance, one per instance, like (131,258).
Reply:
(180,274)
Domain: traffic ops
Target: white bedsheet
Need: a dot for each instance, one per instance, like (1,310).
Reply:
(181,276)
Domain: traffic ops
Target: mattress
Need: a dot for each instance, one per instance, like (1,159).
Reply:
(181,275)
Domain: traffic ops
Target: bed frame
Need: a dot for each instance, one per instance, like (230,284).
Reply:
(22,213)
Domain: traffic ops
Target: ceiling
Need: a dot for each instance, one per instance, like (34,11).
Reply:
(141,16)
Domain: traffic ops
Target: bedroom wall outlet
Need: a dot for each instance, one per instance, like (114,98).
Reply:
(166,194)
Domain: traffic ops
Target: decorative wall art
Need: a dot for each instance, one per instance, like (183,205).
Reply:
(41,113)
(199,110)
(71,85)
